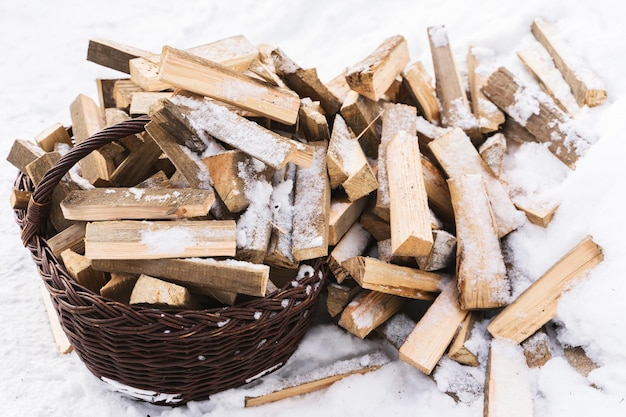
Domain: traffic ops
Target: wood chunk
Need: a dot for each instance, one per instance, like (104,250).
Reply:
(340,295)
(399,280)
(37,168)
(201,76)
(456,154)
(224,171)
(376,226)
(455,108)
(480,268)
(421,88)
(347,164)
(373,75)
(362,116)
(138,164)
(343,214)
(547,123)
(411,234)
(48,138)
(396,117)
(158,180)
(396,329)
(19,199)
(119,287)
(339,86)
(79,267)
(174,120)
(369,310)
(279,251)
(585,84)
(123,91)
(489,117)
(443,253)
(458,352)
(235,52)
(72,238)
(516,132)
(131,239)
(385,254)
(578,359)
(202,276)
(134,203)
(142,101)
(265,72)
(321,378)
(507,382)
(112,54)
(106,98)
(144,72)
(492,151)
(60,338)
(540,214)
(539,63)
(431,336)
(538,304)
(312,208)
(22,153)
(153,291)
(313,123)
(537,349)
(353,243)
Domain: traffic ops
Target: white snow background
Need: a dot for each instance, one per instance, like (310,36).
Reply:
(43,68)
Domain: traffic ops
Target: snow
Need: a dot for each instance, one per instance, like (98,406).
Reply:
(44,73)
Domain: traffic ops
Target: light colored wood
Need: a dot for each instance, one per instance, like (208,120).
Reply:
(106,99)
(340,295)
(113,54)
(60,338)
(376,226)
(55,134)
(442,254)
(224,172)
(113,116)
(538,304)
(396,329)
(201,76)
(313,123)
(144,72)
(158,180)
(458,352)
(455,107)
(142,101)
(362,116)
(119,287)
(254,226)
(516,132)
(311,208)
(321,378)
(422,89)
(374,74)
(432,335)
(492,151)
(540,213)
(369,310)
(339,86)
(578,359)
(79,267)
(134,203)
(265,72)
(19,199)
(385,254)
(22,153)
(479,61)
(539,63)
(139,163)
(279,252)
(123,91)
(480,268)
(153,291)
(347,163)
(37,168)
(72,238)
(537,349)
(353,243)
(547,123)
(132,239)
(587,87)
(393,279)
(411,234)
(507,382)
(343,214)
(456,154)
(199,275)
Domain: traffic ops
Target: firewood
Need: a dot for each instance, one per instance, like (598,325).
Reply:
(396,117)
(23,152)
(138,164)
(369,310)
(131,239)
(112,54)
(37,168)
(411,234)
(540,64)
(578,359)
(72,238)
(539,213)
(396,329)
(478,67)
(19,199)
(55,134)
(399,280)
(119,287)
(538,304)
(134,203)
(321,378)
(313,123)
(311,207)
(587,87)
(153,291)
(60,338)
(507,382)
(455,107)
(362,116)
(458,351)
(545,121)
(376,226)
(106,98)
(347,164)
(141,101)
(279,251)
(537,349)
(353,243)
(492,151)
(202,276)
(79,267)
(144,72)
(480,268)
(385,254)
(201,76)
(343,214)
(431,336)
(340,295)
(421,87)
(516,132)
(224,171)
(157,180)
(373,75)
(443,253)
(457,156)
(173,119)
(123,91)
(265,72)
(339,86)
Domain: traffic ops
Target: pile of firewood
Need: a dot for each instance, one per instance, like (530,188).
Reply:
(251,165)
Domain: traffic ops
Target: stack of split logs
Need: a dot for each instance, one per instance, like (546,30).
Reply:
(251,165)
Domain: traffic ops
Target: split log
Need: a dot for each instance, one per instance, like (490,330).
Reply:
(431,336)
(385,254)
(313,123)
(138,164)
(376,226)
(362,116)
(19,199)
(260,69)
(105,87)
(492,151)
(22,153)
(373,75)
(153,291)
(80,268)
(72,238)
(480,268)
(339,86)
(585,84)
(119,287)
(176,122)
(489,117)
(538,304)
(421,88)
(37,168)
(141,101)
(340,295)
(458,352)
(516,132)
(55,134)
(393,279)
(443,253)
(369,310)
(131,239)
(539,213)
(578,359)
(60,338)
(353,243)
(397,329)
(112,54)
(224,171)
(343,214)
(279,252)
(537,349)
(123,91)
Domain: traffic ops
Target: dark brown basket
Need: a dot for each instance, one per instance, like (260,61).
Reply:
(157,355)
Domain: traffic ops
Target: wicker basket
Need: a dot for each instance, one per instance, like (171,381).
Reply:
(158,355)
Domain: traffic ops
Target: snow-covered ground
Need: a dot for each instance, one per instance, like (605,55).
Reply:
(43,68)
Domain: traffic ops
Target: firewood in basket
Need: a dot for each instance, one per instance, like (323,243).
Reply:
(376,226)
(422,89)
(139,163)
(362,116)
(369,310)
(19,199)
(79,267)
(340,295)
(123,91)
(112,54)
(142,101)
(153,291)
(23,152)
(353,243)
(386,255)
(343,214)
(479,61)
(537,349)
(105,86)
(55,134)
(224,171)
(71,238)
(119,287)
